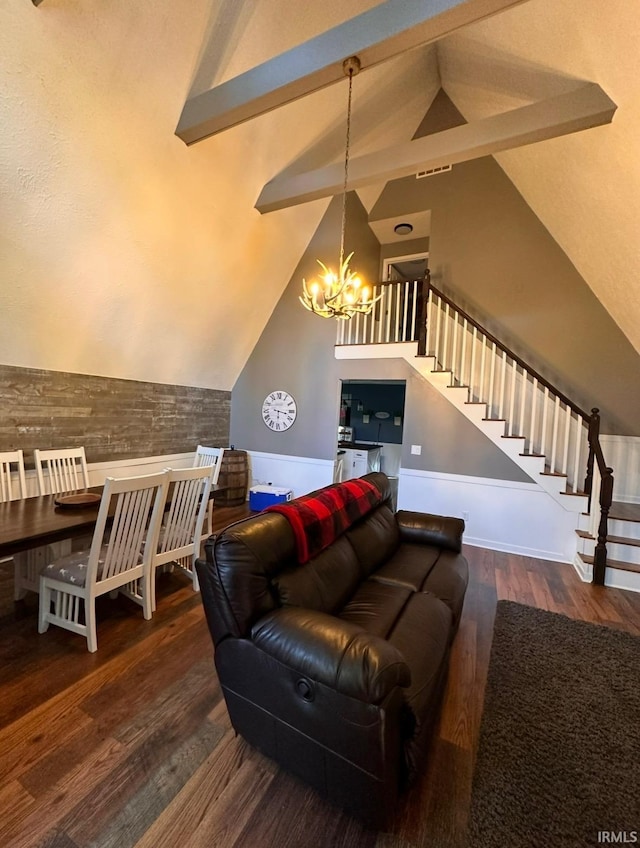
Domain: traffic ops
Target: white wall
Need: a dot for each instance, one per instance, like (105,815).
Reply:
(501,515)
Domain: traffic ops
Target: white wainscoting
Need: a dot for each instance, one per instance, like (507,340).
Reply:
(500,515)
(301,474)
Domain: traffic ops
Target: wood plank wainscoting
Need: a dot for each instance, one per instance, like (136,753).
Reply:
(112,418)
(131,747)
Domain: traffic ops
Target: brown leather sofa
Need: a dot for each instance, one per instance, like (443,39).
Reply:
(335,668)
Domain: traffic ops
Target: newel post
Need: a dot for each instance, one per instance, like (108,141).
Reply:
(600,555)
(594,435)
(421,312)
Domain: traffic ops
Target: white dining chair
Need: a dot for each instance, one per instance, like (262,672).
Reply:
(26,564)
(66,470)
(183,524)
(12,479)
(119,559)
(57,472)
(209,456)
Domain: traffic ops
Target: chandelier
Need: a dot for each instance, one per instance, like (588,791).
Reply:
(340,295)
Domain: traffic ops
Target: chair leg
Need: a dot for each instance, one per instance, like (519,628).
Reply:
(44,609)
(90,620)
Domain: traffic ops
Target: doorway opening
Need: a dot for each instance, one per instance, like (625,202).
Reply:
(370,428)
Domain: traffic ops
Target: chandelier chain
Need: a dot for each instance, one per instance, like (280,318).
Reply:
(346,169)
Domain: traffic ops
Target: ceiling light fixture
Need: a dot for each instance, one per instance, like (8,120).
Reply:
(403,229)
(340,295)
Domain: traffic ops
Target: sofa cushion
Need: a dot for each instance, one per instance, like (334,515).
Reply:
(325,583)
(375,538)
(422,636)
(376,607)
(424,568)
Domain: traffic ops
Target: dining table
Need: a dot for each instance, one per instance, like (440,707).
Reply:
(36,521)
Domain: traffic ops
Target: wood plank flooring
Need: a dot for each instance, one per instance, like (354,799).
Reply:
(131,747)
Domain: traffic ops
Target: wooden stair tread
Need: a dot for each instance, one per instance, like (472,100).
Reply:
(548,473)
(613,540)
(536,455)
(622,511)
(612,563)
(513,437)
(575,495)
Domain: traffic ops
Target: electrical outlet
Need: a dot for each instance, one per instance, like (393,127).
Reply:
(416,450)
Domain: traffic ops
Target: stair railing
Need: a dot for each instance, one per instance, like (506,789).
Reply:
(399,315)
(548,422)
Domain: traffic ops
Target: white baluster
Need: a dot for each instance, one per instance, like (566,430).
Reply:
(455,371)
(472,369)
(414,311)
(576,460)
(534,405)
(436,350)
(567,432)
(404,334)
(545,410)
(445,345)
(492,375)
(512,399)
(554,443)
(503,374)
(463,354)
(523,399)
(482,361)
(398,322)
(389,311)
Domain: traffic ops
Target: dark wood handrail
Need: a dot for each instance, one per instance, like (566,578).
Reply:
(591,420)
(574,406)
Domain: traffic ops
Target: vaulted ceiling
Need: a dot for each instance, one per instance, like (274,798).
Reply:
(505,67)
(102,203)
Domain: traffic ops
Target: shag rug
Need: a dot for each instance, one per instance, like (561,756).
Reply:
(558,763)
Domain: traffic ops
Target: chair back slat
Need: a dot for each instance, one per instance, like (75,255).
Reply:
(126,545)
(66,470)
(209,456)
(12,479)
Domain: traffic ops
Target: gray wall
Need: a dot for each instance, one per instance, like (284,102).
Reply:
(490,251)
(296,353)
(111,418)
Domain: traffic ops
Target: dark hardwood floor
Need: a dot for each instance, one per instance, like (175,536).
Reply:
(131,747)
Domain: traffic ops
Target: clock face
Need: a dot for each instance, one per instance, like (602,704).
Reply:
(279,411)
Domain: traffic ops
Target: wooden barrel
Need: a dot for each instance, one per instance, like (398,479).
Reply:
(234,474)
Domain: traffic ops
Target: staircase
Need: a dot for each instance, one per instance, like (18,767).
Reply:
(541,430)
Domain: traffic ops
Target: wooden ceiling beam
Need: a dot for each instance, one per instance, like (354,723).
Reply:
(585,107)
(375,36)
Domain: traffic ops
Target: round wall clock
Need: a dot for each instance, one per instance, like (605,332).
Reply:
(279,411)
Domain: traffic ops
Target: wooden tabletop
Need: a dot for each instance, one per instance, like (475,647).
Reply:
(29,523)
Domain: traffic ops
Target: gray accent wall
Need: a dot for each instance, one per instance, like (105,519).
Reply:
(489,250)
(112,418)
(296,353)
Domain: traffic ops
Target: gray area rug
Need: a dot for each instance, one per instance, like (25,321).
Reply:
(558,763)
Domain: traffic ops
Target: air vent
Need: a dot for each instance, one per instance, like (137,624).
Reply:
(431,171)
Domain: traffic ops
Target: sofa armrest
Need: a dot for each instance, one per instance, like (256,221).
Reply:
(336,653)
(423,528)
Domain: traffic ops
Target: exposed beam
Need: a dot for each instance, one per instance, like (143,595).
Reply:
(375,36)
(585,107)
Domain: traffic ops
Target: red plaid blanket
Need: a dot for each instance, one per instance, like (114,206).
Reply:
(319,518)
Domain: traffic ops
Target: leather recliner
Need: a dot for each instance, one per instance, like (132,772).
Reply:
(335,668)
